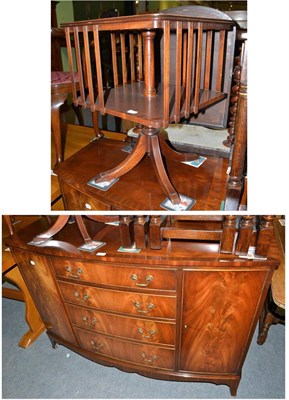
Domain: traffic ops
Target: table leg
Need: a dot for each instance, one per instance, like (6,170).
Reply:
(31,314)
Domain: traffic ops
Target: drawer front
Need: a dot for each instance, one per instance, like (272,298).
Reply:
(76,200)
(150,356)
(122,302)
(106,274)
(142,330)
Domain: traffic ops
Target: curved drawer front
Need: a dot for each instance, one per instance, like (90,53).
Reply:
(107,274)
(143,330)
(76,200)
(123,302)
(150,356)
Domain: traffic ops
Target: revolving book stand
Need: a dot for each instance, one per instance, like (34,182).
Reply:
(165,68)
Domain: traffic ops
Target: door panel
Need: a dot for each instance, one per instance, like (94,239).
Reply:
(218,313)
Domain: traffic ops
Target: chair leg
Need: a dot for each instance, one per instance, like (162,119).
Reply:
(264,326)
(78,114)
(56,101)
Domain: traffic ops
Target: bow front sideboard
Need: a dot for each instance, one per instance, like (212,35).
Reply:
(181,309)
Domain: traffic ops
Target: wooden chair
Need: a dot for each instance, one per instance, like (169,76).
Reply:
(11,273)
(139,95)
(235,235)
(209,228)
(61,87)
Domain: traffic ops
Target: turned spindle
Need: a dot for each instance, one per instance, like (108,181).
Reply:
(245,235)
(149,63)
(228,235)
(264,235)
(126,231)
(140,231)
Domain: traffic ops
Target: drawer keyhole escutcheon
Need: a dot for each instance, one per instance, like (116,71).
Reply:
(86,321)
(141,309)
(149,359)
(96,345)
(146,336)
(79,271)
(86,296)
(148,280)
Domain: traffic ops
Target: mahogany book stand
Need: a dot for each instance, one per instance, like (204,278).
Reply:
(144,90)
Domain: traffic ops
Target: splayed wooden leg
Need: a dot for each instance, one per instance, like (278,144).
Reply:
(129,163)
(172,154)
(160,171)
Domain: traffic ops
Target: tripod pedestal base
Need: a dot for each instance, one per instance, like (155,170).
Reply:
(152,143)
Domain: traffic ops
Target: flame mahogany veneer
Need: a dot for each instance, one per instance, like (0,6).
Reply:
(184,312)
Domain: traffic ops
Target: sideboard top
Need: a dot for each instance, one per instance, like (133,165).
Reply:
(66,243)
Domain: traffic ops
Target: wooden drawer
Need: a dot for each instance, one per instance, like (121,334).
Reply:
(132,328)
(148,355)
(107,274)
(76,200)
(118,301)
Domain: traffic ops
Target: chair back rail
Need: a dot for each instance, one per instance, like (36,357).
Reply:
(235,236)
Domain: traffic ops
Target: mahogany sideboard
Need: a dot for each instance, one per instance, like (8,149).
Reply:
(184,312)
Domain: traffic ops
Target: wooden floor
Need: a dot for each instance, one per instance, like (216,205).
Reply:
(75,137)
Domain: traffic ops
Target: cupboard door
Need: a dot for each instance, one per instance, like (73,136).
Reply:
(219,314)
(42,286)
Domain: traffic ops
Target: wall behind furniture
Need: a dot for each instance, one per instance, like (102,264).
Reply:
(64,13)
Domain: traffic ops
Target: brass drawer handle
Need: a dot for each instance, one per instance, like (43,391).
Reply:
(150,333)
(97,346)
(148,280)
(149,359)
(86,321)
(85,297)
(79,271)
(140,308)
